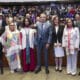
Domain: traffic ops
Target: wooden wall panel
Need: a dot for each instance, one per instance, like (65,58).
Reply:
(51,59)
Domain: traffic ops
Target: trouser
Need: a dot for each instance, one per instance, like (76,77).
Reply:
(1,66)
(72,63)
(41,46)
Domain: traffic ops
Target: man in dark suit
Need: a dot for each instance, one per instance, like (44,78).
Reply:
(2,22)
(1,53)
(44,34)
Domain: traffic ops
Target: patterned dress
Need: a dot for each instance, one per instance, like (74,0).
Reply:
(11,42)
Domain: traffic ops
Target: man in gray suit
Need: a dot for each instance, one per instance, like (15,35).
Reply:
(44,34)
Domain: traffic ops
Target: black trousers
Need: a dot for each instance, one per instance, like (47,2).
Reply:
(1,66)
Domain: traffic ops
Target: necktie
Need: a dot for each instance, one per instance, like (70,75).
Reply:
(27,48)
(42,30)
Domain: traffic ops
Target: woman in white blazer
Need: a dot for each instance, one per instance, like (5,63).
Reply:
(27,45)
(70,42)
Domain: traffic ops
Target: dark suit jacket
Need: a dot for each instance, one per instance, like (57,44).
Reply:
(57,36)
(47,32)
(1,50)
(3,25)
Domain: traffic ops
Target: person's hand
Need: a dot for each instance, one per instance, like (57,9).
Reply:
(3,50)
(59,44)
(32,26)
(64,47)
(55,44)
(47,45)
(76,49)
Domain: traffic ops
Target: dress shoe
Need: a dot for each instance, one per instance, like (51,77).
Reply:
(12,71)
(37,70)
(18,71)
(56,69)
(60,70)
(1,72)
(15,70)
(73,74)
(79,74)
(47,71)
(68,73)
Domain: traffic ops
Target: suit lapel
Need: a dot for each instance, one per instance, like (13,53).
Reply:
(54,30)
(58,30)
(44,26)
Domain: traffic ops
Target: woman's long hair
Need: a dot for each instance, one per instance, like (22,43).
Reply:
(72,22)
(29,20)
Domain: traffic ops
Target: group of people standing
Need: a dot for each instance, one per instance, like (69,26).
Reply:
(19,45)
(64,39)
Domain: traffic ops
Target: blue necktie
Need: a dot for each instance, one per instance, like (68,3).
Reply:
(42,31)
(27,49)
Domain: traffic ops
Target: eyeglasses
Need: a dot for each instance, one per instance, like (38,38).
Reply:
(42,17)
(69,22)
(12,25)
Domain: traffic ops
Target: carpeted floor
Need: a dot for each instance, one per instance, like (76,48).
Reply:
(53,75)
